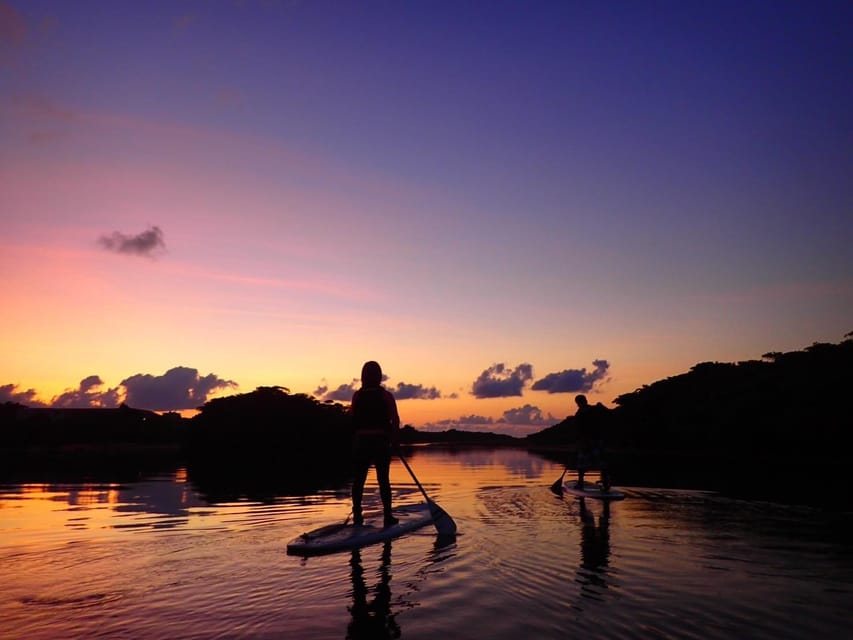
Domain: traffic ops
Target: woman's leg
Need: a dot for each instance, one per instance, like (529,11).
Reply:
(361,465)
(383,466)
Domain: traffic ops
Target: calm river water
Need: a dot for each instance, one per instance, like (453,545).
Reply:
(155,559)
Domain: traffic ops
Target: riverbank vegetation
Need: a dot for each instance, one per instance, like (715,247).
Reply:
(759,422)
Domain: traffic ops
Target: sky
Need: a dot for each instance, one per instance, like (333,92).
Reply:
(504,203)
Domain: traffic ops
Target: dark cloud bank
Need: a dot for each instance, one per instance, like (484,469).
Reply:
(498,381)
(573,380)
(501,381)
(178,389)
(403,391)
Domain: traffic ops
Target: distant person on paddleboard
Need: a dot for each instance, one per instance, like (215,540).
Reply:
(590,442)
(376,428)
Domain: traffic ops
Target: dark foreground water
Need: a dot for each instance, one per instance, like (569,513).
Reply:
(155,559)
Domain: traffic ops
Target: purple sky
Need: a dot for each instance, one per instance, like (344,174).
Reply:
(487,197)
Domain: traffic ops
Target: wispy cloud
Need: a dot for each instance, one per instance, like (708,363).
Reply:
(13,34)
(147,243)
(184,21)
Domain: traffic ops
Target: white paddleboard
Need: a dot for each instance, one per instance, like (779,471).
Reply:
(592,490)
(340,537)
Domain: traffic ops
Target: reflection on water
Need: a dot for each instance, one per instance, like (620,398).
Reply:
(595,549)
(371,612)
(156,558)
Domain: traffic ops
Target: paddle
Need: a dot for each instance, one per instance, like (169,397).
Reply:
(557,487)
(440,518)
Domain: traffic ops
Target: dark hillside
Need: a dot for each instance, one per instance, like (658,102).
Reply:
(774,428)
(796,402)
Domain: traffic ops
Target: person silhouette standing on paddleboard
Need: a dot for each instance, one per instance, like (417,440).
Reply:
(376,429)
(590,441)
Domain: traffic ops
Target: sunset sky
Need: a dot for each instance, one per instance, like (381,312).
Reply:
(503,202)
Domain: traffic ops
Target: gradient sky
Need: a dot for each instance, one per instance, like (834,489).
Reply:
(502,202)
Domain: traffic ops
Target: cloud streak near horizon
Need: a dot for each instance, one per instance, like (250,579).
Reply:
(518,421)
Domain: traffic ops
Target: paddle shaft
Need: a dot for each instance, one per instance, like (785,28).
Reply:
(414,477)
(442,521)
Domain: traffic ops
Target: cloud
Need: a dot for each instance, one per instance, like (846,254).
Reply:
(402,391)
(41,119)
(88,395)
(405,391)
(342,394)
(179,388)
(528,415)
(498,381)
(10,393)
(573,380)
(467,423)
(515,422)
(142,244)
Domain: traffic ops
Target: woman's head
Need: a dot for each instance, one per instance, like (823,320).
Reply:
(371,374)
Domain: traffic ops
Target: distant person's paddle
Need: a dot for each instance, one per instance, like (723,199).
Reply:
(444,524)
(557,487)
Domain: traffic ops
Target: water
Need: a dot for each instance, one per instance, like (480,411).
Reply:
(154,559)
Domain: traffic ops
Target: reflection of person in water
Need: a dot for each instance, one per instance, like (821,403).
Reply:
(595,546)
(372,620)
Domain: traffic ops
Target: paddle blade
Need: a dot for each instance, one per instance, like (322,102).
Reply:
(557,487)
(444,524)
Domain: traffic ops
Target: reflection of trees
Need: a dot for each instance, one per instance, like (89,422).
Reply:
(595,550)
(265,476)
(372,618)
(169,497)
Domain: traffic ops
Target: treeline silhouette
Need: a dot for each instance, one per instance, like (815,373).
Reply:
(267,442)
(795,402)
(754,422)
(775,428)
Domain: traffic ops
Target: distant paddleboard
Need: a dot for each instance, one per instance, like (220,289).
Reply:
(340,537)
(592,490)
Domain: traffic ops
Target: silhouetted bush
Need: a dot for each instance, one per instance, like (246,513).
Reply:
(271,422)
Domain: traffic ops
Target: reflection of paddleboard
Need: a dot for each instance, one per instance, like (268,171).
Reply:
(339,537)
(592,490)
